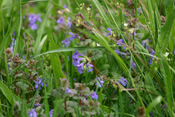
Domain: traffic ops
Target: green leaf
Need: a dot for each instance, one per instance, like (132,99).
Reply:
(7,93)
(154,103)
(168,79)
(56,63)
(164,34)
(6,7)
(41,30)
(102,12)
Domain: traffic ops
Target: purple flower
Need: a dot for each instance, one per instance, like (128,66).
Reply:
(68,90)
(100,82)
(66,42)
(122,81)
(32,113)
(135,33)
(90,6)
(108,34)
(77,61)
(65,6)
(89,67)
(33,26)
(23,57)
(51,113)
(80,68)
(12,45)
(119,43)
(60,21)
(14,33)
(120,40)
(94,95)
(73,36)
(69,23)
(76,54)
(39,83)
(133,65)
(32,19)
(151,59)
(164,106)
(37,104)
(144,42)
(120,53)
(75,79)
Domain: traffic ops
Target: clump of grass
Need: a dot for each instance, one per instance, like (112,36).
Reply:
(87,58)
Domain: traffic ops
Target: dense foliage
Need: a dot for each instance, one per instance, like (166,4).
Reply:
(87,58)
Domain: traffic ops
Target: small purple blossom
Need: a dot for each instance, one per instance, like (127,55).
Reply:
(89,67)
(99,82)
(39,83)
(32,113)
(133,65)
(119,43)
(51,113)
(66,42)
(33,26)
(120,53)
(80,68)
(69,22)
(75,79)
(60,21)
(123,81)
(77,60)
(68,90)
(94,95)
(76,54)
(73,36)
(37,104)
(32,19)
(12,45)
(109,33)
(14,33)
(65,7)
(135,33)
(144,42)
(23,57)
(151,59)
(90,6)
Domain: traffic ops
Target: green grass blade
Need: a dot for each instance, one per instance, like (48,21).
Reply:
(7,93)
(153,104)
(41,30)
(56,63)
(167,81)
(102,12)
(165,34)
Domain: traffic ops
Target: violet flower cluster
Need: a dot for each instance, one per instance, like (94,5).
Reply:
(94,95)
(32,21)
(123,81)
(99,82)
(61,21)
(39,83)
(151,59)
(32,113)
(12,45)
(79,63)
(67,41)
